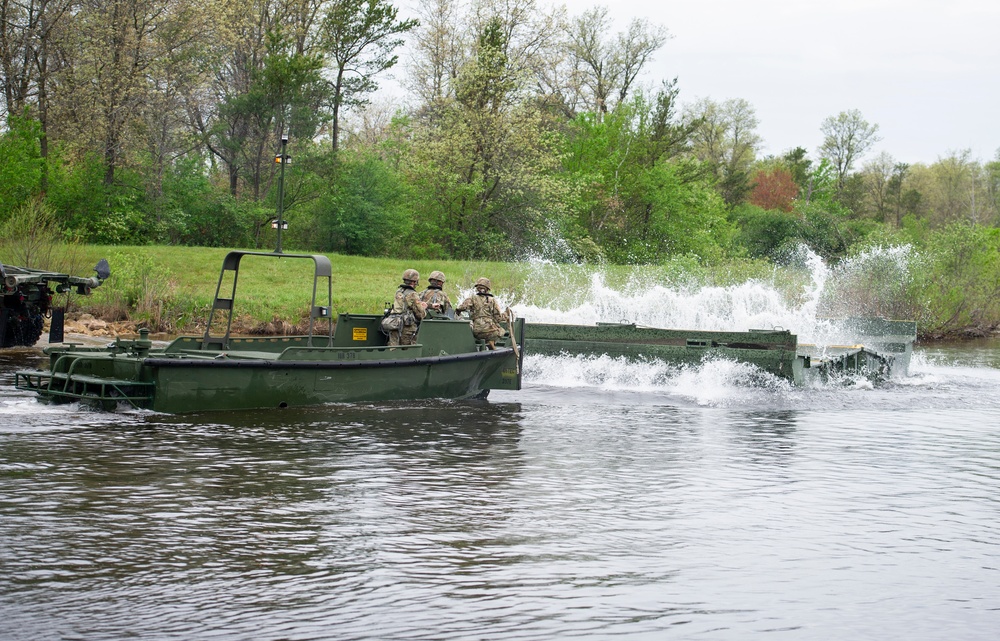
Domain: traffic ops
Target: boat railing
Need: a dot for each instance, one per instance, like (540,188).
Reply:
(224,302)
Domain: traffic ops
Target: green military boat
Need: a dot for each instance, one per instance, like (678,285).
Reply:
(345,361)
(878,349)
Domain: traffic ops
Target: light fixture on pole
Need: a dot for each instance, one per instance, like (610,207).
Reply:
(283,159)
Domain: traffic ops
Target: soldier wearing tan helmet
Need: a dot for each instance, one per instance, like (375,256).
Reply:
(402,319)
(435,297)
(484,312)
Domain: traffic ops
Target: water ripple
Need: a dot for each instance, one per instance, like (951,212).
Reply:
(586,512)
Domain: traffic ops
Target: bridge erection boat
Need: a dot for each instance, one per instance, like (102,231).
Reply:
(343,362)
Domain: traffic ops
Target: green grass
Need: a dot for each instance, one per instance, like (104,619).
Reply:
(270,289)
(170,289)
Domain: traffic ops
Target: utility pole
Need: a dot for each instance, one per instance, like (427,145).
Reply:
(284,159)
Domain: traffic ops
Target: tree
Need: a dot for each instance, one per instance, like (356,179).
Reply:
(773,189)
(726,140)
(365,212)
(799,166)
(901,201)
(605,67)
(528,33)
(634,198)
(878,175)
(28,60)
(992,186)
(957,178)
(847,137)
(482,163)
(21,166)
(270,91)
(438,51)
(669,133)
(359,37)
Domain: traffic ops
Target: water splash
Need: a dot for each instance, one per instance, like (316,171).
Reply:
(874,283)
(655,297)
(575,294)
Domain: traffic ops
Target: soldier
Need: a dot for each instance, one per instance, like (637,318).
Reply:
(485,313)
(403,319)
(435,297)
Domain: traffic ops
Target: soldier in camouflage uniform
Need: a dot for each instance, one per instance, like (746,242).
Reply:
(435,297)
(485,313)
(403,319)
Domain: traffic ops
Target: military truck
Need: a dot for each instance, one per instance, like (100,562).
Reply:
(26,300)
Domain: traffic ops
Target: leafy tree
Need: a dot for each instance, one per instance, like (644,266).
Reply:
(359,37)
(281,95)
(366,212)
(29,58)
(447,40)
(21,169)
(847,137)
(773,189)
(992,187)
(799,166)
(956,177)
(529,35)
(878,178)
(726,141)
(195,212)
(822,223)
(634,202)
(901,200)
(670,135)
(853,197)
(110,52)
(960,278)
(482,163)
(767,233)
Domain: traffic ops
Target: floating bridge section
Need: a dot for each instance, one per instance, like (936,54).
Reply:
(875,348)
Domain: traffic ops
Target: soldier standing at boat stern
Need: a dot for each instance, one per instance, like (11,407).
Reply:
(435,297)
(403,319)
(484,311)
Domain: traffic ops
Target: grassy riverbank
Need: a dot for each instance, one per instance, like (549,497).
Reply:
(170,289)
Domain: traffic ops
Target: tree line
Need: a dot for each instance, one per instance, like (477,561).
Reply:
(158,121)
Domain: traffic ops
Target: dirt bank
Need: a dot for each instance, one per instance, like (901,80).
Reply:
(88,325)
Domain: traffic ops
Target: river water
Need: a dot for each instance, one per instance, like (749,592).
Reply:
(604,500)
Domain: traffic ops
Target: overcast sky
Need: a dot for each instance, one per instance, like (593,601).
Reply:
(927,72)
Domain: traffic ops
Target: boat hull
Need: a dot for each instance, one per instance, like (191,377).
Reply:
(194,375)
(348,362)
(255,384)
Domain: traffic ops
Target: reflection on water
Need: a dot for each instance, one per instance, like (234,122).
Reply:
(628,505)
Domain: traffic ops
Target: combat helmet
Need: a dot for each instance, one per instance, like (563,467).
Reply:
(411,274)
(483,282)
(436,275)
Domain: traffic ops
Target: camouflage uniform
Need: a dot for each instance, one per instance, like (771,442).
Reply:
(485,313)
(435,295)
(407,305)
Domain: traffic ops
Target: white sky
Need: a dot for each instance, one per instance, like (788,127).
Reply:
(926,71)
